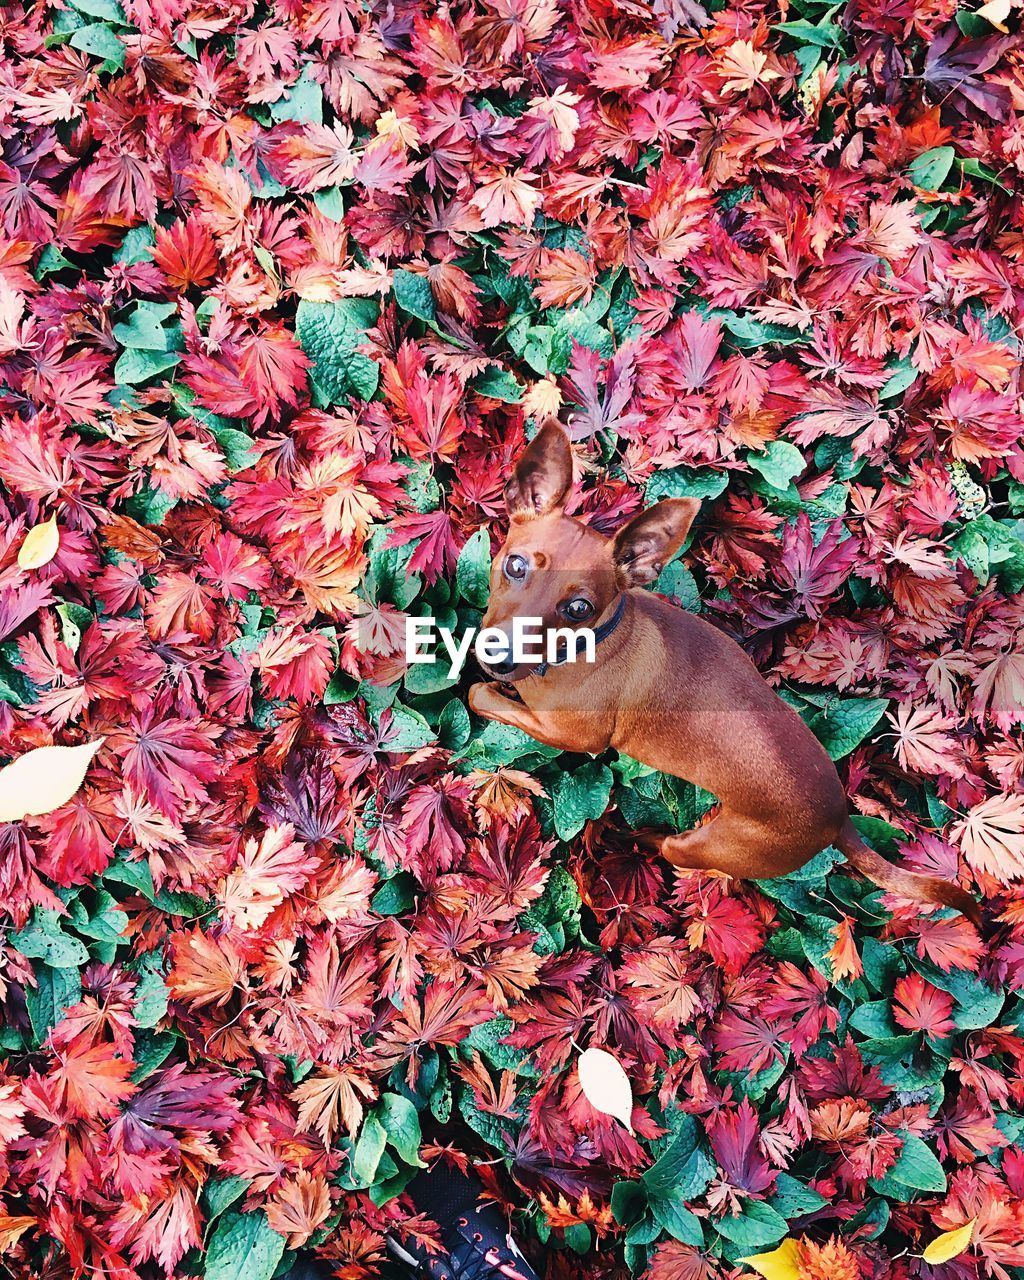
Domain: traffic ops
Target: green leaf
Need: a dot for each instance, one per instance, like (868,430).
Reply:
(414,296)
(845,723)
(825,35)
(674,1217)
(144,329)
(904,375)
(499,384)
(580,796)
(136,247)
(107,10)
(454,726)
(99,41)
(74,618)
(368,1151)
(780,463)
(682,1169)
(221,1193)
(401,1123)
(238,447)
(51,260)
(473,571)
(135,365)
(394,896)
(55,991)
(748,332)
(331,203)
(756,1227)
(303,102)
(409,730)
(628,1202)
(43,939)
(136,875)
(243,1247)
(152,1049)
(501,744)
(873,1019)
(793,1198)
(677,582)
(917,1168)
(329,333)
(487,1038)
(975,169)
(977,1004)
(931,169)
(686,482)
(150,991)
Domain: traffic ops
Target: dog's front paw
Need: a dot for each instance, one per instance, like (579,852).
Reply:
(482,698)
(491,701)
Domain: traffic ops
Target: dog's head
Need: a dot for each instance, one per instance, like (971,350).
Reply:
(556,568)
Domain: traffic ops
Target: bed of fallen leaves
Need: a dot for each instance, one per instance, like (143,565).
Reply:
(283,288)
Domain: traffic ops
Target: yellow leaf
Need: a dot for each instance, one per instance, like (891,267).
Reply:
(950,1244)
(782,1263)
(41,544)
(996,12)
(606,1086)
(43,779)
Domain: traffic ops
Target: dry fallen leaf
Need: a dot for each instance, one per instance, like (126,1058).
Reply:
(996,12)
(782,1263)
(606,1086)
(41,544)
(43,779)
(950,1244)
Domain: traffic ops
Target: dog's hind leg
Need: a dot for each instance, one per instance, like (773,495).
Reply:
(729,843)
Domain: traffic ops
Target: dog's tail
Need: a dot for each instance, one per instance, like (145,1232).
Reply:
(908,884)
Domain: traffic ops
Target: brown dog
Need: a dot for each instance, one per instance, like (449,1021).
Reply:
(666,687)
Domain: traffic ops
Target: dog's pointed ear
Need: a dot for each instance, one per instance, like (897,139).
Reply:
(543,475)
(642,548)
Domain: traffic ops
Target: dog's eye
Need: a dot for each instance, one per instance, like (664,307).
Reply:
(515,568)
(578,609)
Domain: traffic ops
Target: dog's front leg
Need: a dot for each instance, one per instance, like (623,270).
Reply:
(487,700)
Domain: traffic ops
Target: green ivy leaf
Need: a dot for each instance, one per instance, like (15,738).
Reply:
(329,333)
(916,1169)
(220,1194)
(136,364)
(106,10)
(672,1215)
(144,329)
(151,991)
(845,722)
(55,991)
(99,41)
(401,1123)
(755,1228)
(793,1198)
(303,102)
(409,730)
(930,169)
(43,939)
(414,296)
(579,797)
(499,384)
(780,463)
(366,1155)
(686,482)
(473,571)
(243,1247)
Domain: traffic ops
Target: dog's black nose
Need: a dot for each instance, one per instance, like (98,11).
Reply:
(504,668)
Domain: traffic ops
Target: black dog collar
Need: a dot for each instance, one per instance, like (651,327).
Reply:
(600,633)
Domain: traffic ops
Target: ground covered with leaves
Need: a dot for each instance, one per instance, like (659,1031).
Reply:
(282,288)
